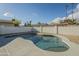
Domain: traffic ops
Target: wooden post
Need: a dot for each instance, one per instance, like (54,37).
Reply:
(57,28)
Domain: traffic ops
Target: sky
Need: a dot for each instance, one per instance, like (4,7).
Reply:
(24,12)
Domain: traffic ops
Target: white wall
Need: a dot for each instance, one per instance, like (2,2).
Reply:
(70,30)
(37,28)
(7,30)
(50,29)
(47,29)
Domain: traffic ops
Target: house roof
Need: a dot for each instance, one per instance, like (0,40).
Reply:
(6,21)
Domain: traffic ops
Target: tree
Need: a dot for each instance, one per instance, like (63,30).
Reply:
(39,23)
(70,21)
(25,24)
(29,23)
(16,22)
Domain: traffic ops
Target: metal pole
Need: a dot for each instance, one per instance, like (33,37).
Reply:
(66,11)
(72,12)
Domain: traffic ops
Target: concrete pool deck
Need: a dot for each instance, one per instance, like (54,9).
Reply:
(22,47)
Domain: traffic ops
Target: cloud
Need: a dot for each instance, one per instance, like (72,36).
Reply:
(77,6)
(75,15)
(74,10)
(57,20)
(7,14)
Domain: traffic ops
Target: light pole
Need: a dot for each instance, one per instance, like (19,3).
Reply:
(72,12)
(66,10)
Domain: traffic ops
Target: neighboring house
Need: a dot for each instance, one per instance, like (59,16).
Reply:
(6,23)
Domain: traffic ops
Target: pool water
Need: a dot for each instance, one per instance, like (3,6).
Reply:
(45,42)
(50,43)
(5,39)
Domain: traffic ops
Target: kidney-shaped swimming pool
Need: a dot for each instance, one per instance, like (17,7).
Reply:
(45,42)
(49,43)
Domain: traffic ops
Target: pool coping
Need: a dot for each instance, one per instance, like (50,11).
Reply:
(73,50)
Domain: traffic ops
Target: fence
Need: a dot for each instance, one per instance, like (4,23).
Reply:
(69,30)
(8,30)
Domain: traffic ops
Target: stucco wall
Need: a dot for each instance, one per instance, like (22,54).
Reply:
(7,30)
(70,30)
(47,29)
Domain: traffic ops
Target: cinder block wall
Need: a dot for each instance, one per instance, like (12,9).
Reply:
(8,30)
(68,30)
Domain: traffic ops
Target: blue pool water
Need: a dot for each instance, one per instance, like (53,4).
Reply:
(45,42)
(5,39)
(49,43)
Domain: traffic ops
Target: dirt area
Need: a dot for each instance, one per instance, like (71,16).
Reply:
(73,38)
